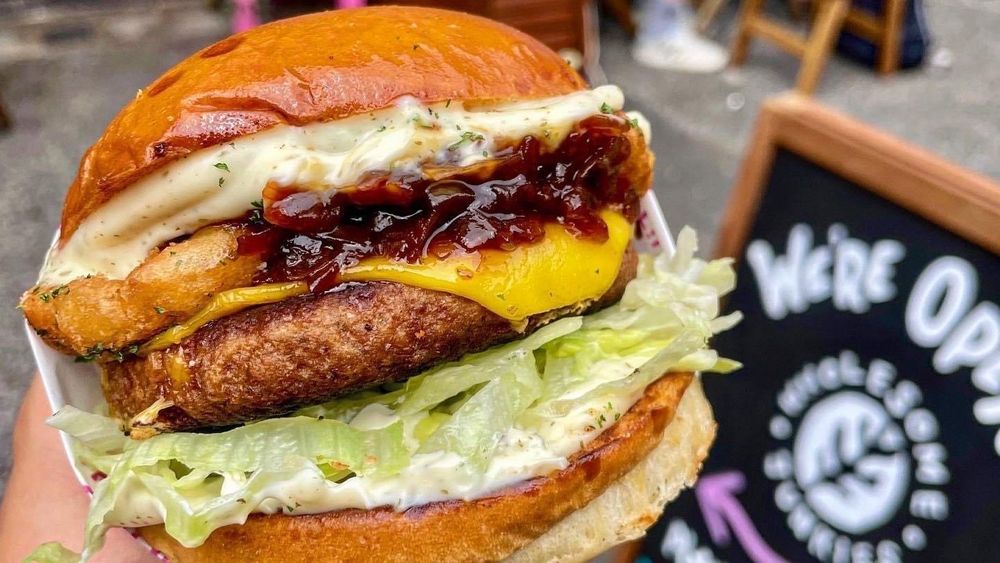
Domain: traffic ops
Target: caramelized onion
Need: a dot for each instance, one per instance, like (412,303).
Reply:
(497,203)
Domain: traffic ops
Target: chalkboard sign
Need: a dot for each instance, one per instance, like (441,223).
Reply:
(864,426)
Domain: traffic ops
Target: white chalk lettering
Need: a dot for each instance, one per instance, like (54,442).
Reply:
(778,464)
(986,376)
(931,469)
(681,544)
(943,293)
(987,410)
(848,271)
(940,314)
(975,338)
(929,504)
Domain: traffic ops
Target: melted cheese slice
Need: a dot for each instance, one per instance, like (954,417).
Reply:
(559,271)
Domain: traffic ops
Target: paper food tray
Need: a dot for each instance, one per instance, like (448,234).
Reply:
(78,384)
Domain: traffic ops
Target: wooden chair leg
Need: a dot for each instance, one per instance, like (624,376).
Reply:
(621,10)
(4,118)
(892,28)
(707,12)
(749,11)
(799,9)
(828,24)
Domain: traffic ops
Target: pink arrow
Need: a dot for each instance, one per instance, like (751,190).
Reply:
(716,494)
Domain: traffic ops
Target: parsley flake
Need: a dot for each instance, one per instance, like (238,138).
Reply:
(467,137)
(50,295)
(606,108)
(221,166)
(91,353)
(98,349)
(120,355)
(257,214)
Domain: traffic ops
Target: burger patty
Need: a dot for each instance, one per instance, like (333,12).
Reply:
(273,359)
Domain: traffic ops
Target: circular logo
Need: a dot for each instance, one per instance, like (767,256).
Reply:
(851,461)
(857,465)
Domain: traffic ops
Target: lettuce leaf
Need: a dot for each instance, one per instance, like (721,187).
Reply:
(201,482)
(52,552)
(438,385)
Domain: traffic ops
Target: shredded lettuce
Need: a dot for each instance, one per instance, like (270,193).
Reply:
(269,450)
(51,552)
(201,482)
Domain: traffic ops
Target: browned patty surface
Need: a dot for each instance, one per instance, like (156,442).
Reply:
(272,359)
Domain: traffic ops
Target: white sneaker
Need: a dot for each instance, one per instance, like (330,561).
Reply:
(685,51)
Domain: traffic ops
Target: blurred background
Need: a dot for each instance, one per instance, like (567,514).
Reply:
(67,66)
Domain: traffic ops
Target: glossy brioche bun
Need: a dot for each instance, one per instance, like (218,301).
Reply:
(612,491)
(311,68)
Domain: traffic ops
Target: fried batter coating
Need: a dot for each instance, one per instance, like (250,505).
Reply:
(95,313)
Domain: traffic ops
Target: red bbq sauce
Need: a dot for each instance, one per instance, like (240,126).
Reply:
(496,204)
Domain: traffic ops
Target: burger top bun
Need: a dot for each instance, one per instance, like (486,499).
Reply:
(312,68)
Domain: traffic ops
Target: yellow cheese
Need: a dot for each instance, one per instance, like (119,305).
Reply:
(223,304)
(558,271)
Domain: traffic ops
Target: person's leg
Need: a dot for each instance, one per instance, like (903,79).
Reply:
(43,501)
(667,39)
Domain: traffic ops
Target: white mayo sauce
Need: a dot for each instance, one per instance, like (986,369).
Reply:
(522,454)
(186,195)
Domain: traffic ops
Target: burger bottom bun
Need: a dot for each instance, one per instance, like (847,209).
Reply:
(633,503)
(611,492)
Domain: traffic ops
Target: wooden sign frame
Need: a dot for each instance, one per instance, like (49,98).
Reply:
(955,199)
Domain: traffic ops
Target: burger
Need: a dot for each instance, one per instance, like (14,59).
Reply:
(365,285)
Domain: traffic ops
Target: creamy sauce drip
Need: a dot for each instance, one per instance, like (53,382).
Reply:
(220,183)
(521,455)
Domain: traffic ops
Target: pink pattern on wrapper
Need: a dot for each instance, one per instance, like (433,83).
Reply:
(245,15)
(646,233)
